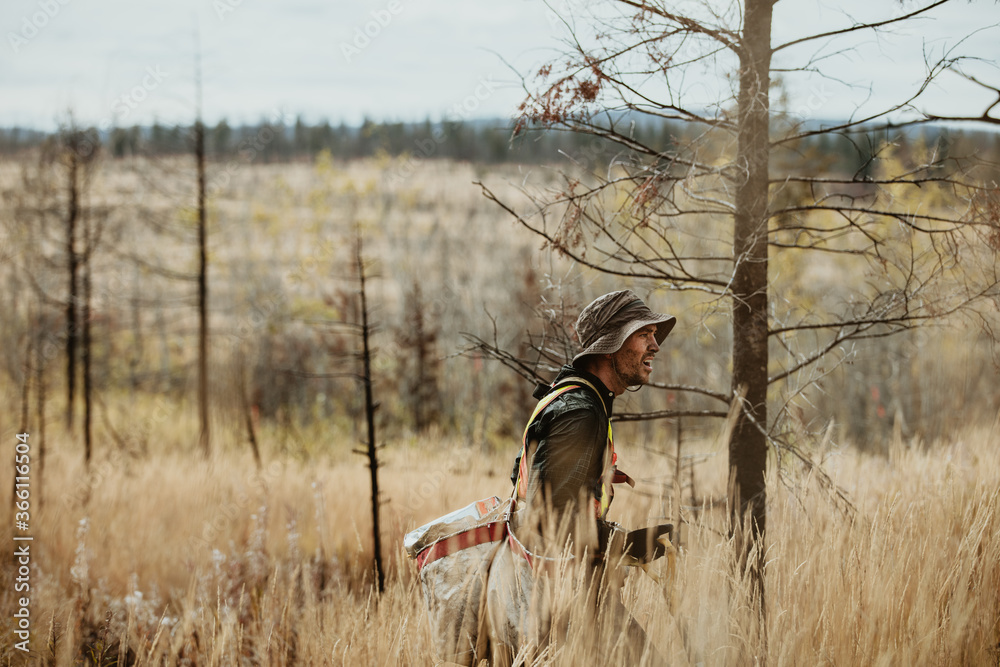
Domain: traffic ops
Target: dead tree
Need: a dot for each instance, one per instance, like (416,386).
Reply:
(77,154)
(72,213)
(87,342)
(94,220)
(191,231)
(199,152)
(418,340)
(202,230)
(40,390)
(163,177)
(48,213)
(711,213)
(370,407)
(345,332)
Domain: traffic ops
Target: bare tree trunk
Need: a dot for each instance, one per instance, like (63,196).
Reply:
(87,351)
(40,414)
(199,155)
(71,301)
(421,406)
(370,407)
(199,150)
(248,409)
(421,386)
(26,383)
(748,443)
(136,352)
(25,402)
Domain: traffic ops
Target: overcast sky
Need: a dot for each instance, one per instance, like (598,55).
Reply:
(130,61)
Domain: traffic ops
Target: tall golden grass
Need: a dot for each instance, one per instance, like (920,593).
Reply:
(171,559)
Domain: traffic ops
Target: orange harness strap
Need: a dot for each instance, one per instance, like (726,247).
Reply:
(522,471)
(611,476)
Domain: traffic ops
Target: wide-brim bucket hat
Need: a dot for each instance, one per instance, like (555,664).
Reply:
(605,324)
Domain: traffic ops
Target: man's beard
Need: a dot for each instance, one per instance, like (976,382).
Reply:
(631,372)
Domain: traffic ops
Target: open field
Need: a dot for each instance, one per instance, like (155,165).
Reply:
(169,559)
(157,556)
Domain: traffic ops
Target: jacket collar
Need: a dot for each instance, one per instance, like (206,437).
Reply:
(571,371)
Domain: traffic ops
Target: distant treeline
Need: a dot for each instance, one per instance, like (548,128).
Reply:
(478,141)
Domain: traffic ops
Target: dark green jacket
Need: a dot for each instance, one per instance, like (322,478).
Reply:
(572,437)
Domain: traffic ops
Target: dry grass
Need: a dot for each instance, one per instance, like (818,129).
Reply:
(178,561)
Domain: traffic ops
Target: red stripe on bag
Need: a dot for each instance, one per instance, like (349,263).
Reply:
(491,532)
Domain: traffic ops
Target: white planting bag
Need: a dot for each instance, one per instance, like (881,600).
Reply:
(453,555)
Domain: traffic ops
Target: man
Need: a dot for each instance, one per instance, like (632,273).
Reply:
(568,455)
(564,475)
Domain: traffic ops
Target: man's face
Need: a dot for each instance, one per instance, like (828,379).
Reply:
(634,361)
